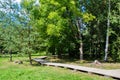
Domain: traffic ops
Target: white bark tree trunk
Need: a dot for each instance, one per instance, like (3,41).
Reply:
(107,36)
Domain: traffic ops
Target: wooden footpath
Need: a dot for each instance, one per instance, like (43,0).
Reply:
(108,73)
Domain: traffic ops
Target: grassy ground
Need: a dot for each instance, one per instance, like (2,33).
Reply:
(86,63)
(13,71)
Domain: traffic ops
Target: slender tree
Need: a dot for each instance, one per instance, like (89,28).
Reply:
(79,26)
(107,35)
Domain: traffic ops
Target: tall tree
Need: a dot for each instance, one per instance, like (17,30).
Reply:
(8,9)
(107,36)
(97,28)
(29,7)
(56,23)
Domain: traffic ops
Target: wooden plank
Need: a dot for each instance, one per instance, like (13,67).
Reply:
(88,70)
(41,61)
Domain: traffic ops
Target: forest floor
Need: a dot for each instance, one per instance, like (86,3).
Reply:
(102,65)
(86,63)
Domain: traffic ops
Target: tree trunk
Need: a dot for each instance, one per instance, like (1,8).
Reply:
(10,52)
(81,51)
(107,36)
(29,54)
(79,25)
(59,52)
(30,58)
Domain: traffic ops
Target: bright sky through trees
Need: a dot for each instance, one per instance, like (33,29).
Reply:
(18,1)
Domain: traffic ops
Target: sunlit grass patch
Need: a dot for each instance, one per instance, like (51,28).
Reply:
(13,71)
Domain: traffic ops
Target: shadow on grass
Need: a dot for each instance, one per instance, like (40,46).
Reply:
(36,64)
(66,60)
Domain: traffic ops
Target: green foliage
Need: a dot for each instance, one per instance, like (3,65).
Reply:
(96,29)
(28,4)
(18,35)
(88,17)
(51,26)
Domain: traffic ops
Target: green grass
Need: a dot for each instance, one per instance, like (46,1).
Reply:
(13,71)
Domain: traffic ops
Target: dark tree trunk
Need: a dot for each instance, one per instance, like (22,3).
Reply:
(59,52)
(29,44)
(10,52)
(59,55)
(30,58)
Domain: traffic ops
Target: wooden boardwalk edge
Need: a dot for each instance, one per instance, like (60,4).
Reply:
(101,72)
